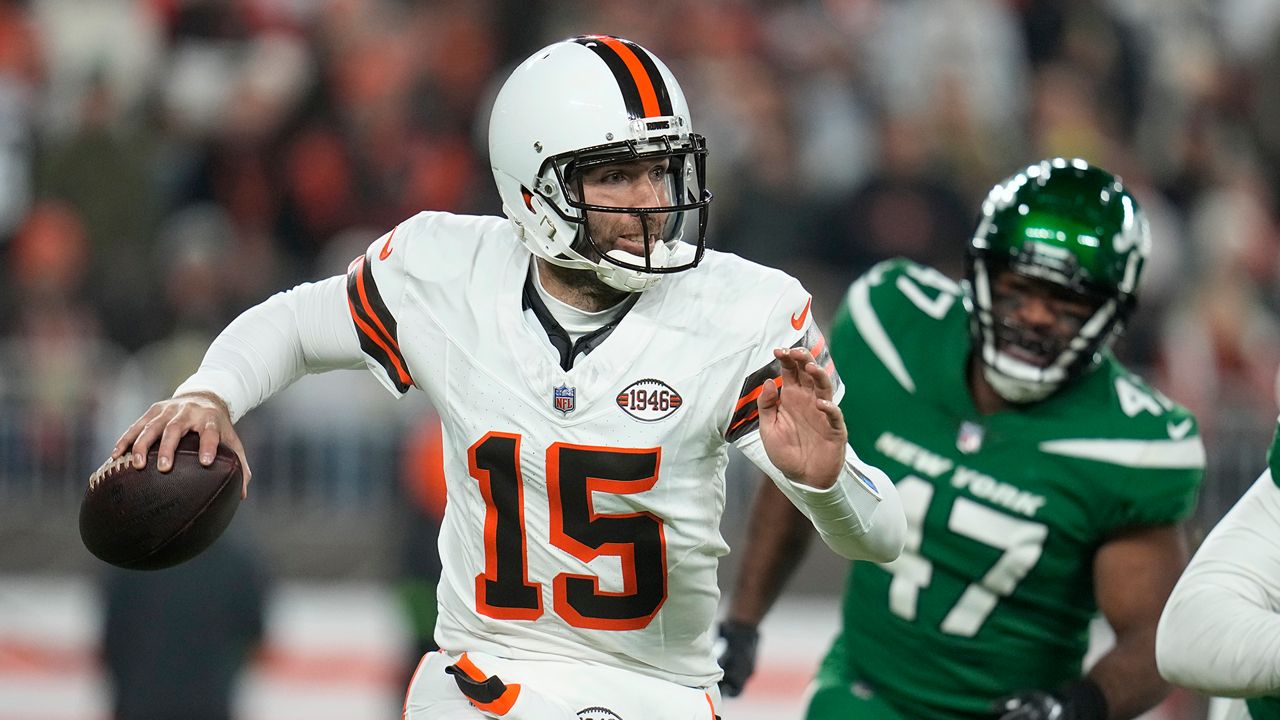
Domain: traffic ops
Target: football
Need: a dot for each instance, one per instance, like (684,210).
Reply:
(149,520)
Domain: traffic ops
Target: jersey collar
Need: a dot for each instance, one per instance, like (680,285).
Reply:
(568,351)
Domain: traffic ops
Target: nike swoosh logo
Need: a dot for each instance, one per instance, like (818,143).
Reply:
(798,322)
(386,246)
(1179,431)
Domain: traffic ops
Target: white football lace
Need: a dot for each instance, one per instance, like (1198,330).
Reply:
(107,470)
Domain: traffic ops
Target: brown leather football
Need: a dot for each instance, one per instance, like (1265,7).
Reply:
(148,520)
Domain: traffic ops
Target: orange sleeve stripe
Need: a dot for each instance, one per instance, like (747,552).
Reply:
(465,665)
(755,413)
(364,300)
(648,96)
(369,333)
(711,705)
(754,394)
(817,349)
(748,398)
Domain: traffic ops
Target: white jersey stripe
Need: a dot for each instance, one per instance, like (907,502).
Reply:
(1187,453)
(868,324)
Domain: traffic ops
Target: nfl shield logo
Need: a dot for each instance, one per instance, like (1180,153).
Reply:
(969,439)
(564,399)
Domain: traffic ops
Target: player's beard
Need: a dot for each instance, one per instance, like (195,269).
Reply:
(596,295)
(590,289)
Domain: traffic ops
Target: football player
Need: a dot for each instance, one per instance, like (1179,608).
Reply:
(1220,631)
(1043,482)
(591,361)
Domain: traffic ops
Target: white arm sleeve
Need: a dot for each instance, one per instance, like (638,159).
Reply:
(304,330)
(860,517)
(1220,631)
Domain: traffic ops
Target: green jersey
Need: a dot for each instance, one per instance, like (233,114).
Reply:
(994,591)
(1267,708)
(1273,456)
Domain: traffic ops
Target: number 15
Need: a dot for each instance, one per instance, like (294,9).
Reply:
(574,474)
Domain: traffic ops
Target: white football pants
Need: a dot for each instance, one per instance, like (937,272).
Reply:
(551,690)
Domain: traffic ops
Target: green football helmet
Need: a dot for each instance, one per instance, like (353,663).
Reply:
(1075,227)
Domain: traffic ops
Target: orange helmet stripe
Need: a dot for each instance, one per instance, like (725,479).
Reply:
(643,89)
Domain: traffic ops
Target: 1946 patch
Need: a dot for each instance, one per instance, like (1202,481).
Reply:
(649,400)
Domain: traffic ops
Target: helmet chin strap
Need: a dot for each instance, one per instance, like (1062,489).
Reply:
(627,280)
(1014,390)
(620,278)
(1016,381)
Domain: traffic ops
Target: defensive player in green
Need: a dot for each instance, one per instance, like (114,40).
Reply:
(1043,482)
(1220,632)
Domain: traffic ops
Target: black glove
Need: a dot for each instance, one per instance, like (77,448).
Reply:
(1081,700)
(1029,705)
(738,659)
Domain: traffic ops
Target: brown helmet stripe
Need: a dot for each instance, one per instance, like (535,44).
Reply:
(643,90)
(651,69)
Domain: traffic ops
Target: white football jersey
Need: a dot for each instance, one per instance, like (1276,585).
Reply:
(584,504)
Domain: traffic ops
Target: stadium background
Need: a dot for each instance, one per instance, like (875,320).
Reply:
(165,164)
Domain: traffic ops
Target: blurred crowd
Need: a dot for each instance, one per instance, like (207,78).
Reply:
(166,163)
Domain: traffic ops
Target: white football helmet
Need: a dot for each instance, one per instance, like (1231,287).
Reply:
(584,102)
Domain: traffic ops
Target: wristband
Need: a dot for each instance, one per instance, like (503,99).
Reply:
(1083,700)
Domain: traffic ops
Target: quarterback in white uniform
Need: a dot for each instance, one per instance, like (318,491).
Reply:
(1220,631)
(591,362)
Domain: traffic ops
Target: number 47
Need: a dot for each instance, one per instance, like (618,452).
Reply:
(1021,540)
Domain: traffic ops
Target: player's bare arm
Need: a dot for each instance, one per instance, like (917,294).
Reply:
(801,427)
(1133,576)
(306,329)
(780,535)
(167,421)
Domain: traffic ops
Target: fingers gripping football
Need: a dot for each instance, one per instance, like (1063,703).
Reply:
(801,427)
(164,424)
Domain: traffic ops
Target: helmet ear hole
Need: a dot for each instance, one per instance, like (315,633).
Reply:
(527,196)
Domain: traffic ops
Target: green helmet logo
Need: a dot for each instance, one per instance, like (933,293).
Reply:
(1070,224)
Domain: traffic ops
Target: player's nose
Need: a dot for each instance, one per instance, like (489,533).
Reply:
(646,193)
(1036,311)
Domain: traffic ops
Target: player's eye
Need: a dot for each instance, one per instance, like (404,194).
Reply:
(1074,309)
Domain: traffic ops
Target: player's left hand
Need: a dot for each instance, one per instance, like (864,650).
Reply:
(1082,699)
(1029,705)
(738,659)
(802,430)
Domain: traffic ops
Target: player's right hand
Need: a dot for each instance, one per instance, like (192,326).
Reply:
(738,659)
(168,420)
